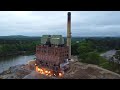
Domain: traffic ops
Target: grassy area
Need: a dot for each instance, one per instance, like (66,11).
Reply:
(104,63)
(101,62)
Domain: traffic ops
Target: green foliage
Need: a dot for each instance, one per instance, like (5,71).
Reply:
(89,50)
(74,49)
(91,58)
(105,63)
(85,47)
(17,46)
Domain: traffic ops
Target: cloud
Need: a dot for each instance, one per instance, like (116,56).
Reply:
(37,23)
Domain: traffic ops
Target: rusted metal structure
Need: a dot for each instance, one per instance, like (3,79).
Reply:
(53,54)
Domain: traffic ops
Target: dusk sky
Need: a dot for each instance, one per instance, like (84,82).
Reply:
(37,23)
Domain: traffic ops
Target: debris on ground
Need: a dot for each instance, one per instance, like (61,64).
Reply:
(77,70)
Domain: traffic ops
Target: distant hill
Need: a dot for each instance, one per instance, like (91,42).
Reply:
(22,37)
(19,37)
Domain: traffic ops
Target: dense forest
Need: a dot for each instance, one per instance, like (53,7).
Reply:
(11,45)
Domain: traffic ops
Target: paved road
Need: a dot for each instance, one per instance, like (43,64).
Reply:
(108,54)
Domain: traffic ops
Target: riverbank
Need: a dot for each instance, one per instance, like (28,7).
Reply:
(17,53)
(18,71)
(13,60)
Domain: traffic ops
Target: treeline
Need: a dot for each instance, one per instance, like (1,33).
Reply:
(18,44)
(95,44)
(103,44)
(88,51)
(12,47)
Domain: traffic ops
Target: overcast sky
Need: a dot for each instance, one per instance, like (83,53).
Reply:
(37,23)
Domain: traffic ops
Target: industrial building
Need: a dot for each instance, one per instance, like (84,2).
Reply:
(53,55)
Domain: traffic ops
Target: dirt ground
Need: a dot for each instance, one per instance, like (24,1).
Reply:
(77,70)
(87,71)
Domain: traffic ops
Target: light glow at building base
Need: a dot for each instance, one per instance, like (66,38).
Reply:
(48,72)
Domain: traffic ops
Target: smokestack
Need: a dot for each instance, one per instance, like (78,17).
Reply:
(69,33)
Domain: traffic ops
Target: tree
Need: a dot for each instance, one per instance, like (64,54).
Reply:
(74,49)
(92,58)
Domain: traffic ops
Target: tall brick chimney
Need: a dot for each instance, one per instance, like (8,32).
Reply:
(69,33)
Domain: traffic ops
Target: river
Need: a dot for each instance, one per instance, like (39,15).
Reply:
(6,62)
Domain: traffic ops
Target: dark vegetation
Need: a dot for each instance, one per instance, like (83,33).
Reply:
(12,45)
(89,49)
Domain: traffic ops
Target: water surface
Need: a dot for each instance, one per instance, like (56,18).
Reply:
(8,61)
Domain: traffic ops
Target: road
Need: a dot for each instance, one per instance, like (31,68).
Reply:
(108,54)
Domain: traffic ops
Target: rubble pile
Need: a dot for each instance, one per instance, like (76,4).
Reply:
(15,72)
(77,71)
